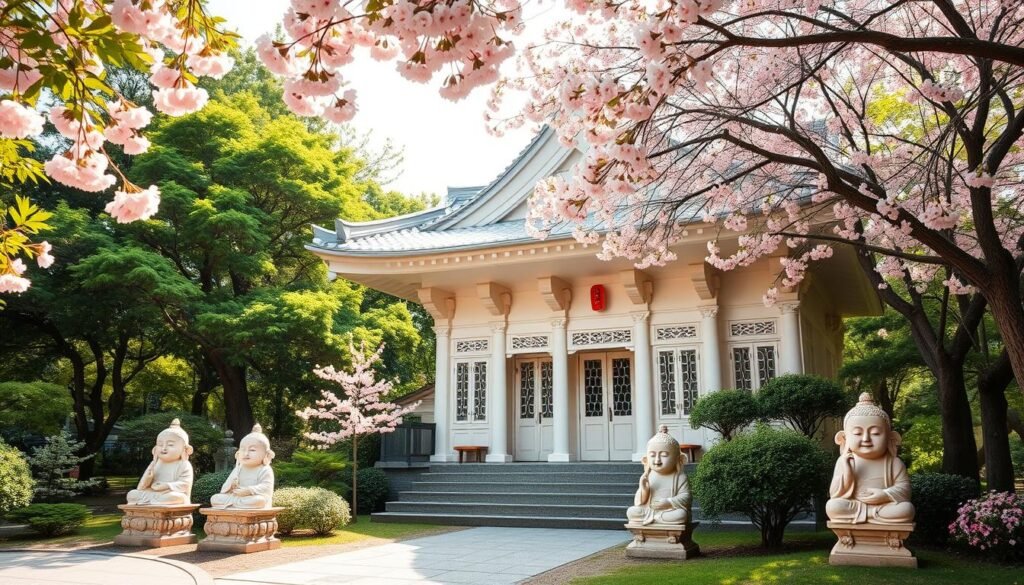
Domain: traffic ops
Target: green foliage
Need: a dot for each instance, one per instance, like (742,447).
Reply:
(767,474)
(922,444)
(203,488)
(51,464)
(316,509)
(371,489)
(51,519)
(206,439)
(936,498)
(1017,455)
(724,411)
(32,408)
(314,468)
(803,401)
(15,479)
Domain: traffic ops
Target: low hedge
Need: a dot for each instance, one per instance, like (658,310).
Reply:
(316,509)
(51,519)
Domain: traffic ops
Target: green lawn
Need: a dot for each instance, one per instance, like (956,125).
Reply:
(99,528)
(734,559)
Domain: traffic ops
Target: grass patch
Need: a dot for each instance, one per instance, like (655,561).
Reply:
(98,528)
(362,530)
(735,558)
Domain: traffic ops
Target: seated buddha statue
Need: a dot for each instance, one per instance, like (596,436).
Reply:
(251,483)
(167,480)
(663,496)
(870,483)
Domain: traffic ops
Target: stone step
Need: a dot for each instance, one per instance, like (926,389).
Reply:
(485,509)
(506,521)
(533,477)
(600,467)
(526,488)
(538,497)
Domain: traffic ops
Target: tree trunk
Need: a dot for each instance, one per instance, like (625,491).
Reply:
(884,397)
(992,385)
(355,476)
(237,408)
(204,387)
(1003,295)
(959,448)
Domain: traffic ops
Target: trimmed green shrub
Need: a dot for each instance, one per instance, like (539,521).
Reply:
(51,519)
(140,434)
(52,465)
(15,479)
(724,412)
(204,487)
(802,401)
(936,498)
(316,509)
(371,489)
(769,475)
(315,468)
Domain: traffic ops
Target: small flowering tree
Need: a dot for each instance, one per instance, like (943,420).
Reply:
(360,411)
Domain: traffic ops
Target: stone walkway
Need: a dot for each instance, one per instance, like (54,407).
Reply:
(20,567)
(478,556)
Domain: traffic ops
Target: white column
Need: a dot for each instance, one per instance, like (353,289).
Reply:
(442,389)
(560,391)
(710,349)
(644,391)
(497,391)
(791,358)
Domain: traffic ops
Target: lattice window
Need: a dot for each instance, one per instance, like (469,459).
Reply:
(622,387)
(741,368)
(742,328)
(462,391)
(547,399)
(765,364)
(471,345)
(593,388)
(667,381)
(527,385)
(607,337)
(688,380)
(479,391)
(529,342)
(675,332)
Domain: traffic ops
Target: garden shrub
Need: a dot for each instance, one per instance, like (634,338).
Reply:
(52,464)
(140,433)
(371,489)
(802,401)
(936,498)
(203,488)
(315,468)
(992,524)
(51,519)
(312,508)
(724,412)
(770,475)
(15,479)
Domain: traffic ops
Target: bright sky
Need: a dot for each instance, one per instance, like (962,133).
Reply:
(445,142)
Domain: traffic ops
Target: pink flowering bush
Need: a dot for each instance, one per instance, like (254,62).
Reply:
(993,524)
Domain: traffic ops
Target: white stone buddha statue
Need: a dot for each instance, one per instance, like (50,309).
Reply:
(663,496)
(167,480)
(251,483)
(870,483)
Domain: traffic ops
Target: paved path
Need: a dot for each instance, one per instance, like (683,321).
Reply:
(21,567)
(478,556)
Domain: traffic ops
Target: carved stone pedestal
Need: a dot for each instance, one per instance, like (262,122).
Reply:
(156,526)
(240,531)
(872,545)
(663,541)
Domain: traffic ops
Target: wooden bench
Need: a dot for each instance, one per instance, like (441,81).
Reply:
(478,450)
(690,451)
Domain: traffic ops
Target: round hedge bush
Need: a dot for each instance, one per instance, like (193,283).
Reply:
(724,411)
(372,487)
(203,489)
(802,401)
(15,479)
(770,475)
(316,509)
(936,498)
(51,519)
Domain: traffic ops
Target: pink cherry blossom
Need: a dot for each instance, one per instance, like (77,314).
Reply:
(86,172)
(132,205)
(43,257)
(17,121)
(12,283)
(180,101)
(214,66)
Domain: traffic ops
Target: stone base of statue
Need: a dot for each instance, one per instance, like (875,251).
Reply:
(872,545)
(156,526)
(662,541)
(240,531)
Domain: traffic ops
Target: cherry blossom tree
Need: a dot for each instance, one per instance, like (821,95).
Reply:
(360,411)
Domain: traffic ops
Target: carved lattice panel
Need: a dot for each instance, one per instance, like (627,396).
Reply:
(527,385)
(606,337)
(667,381)
(593,388)
(688,381)
(479,390)
(461,391)
(675,332)
(622,387)
(471,345)
(520,342)
(765,364)
(745,328)
(547,399)
(741,368)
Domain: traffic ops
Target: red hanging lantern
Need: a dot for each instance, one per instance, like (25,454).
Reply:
(598,297)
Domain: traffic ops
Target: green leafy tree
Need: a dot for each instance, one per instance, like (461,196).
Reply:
(802,401)
(724,411)
(32,408)
(52,465)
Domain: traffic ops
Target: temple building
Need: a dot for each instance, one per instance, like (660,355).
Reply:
(546,353)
